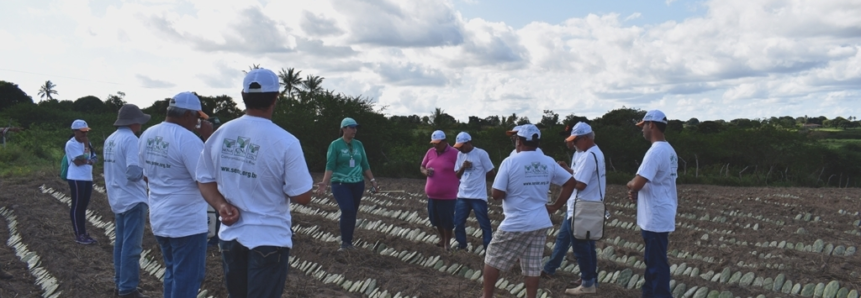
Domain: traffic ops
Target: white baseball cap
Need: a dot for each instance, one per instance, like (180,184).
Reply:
(80,125)
(437,136)
(528,131)
(266,79)
(580,129)
(653,116)
(513,131)
(462,138)
(188,101)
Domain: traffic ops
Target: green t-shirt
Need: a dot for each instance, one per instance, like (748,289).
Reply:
(338,161)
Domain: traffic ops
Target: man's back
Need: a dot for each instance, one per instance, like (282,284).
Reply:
(257,166)
(525,178)
(120,152)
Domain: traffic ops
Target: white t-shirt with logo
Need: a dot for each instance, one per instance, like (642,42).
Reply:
(120,152)
(473,182)
(657,201)
(169,154)
(584,171)
(80,173)
(514,152)
(525,179)
(257,166)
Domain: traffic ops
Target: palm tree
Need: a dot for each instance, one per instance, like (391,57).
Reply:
(291,81)
(250,68)
(312,84)
(47,90)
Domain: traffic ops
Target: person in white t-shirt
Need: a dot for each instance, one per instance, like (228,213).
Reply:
(522,184)
(126,192)
(250,171)
(81,158)
(589,172)
(169,152)
(473,167)
(654,192)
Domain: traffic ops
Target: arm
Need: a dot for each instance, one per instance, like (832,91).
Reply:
(567,190)
(497,194)
(134,173)
(370,177)
(302,199)
(634,186)
(229,213)
(565,166)
(491,174)
(321,187)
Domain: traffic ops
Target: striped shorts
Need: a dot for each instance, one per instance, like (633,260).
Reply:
(507,247)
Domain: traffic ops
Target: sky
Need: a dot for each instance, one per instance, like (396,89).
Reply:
(709,60)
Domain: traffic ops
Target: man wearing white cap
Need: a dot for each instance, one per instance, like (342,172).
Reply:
(81,158)
(654,192)
(441,187)
(250,171)
(473,167)
(513,135)
(127,196)
(591,182)
(522,184)
(169,152)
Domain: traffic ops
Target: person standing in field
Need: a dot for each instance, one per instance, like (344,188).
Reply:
(169,152)
(250,171)
(522,184)
(346,168)
(564,236)
(473,167)
(441,187)
(591,182)
(81,158)
(127,196)
(653,189)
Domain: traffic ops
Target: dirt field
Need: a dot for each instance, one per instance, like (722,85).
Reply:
(740,224)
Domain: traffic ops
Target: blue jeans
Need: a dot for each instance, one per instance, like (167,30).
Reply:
(657,275)
(563,243)
(587,259)
(127,247)
(461,212)
(348,196)
(185,264)
(81,193)
(258,272)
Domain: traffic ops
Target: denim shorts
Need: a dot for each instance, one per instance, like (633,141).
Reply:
(441,213)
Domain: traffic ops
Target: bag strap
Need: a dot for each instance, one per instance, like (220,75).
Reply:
(598,174)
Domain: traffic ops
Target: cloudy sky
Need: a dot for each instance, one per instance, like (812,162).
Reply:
(722,59)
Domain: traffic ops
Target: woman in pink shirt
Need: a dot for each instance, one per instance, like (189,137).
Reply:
(441,186)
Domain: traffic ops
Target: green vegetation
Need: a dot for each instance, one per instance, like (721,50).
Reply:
(780,151)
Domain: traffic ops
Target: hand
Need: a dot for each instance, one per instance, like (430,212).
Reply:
(551,209)
(429,172)
(205,129)
(632,196)
(321,188)
(229,214)
(562,163)
(467,164)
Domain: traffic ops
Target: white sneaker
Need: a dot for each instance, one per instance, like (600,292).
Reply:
(581,290)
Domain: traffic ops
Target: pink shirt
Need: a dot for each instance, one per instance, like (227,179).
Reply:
(444,182)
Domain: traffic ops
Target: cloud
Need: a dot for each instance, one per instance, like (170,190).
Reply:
(224,77)
(319,25)
(148,82)
(420,23)
(410,74)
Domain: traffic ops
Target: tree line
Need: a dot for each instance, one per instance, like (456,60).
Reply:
(781,151)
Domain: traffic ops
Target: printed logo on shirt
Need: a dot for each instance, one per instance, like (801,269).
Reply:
(346,152)
(109,151)
(674,166)
(536,169)
(157,146)
(240,147)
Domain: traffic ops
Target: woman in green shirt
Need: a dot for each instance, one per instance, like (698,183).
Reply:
(346,169)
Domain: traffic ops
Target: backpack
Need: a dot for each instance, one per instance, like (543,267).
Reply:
(64,168)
